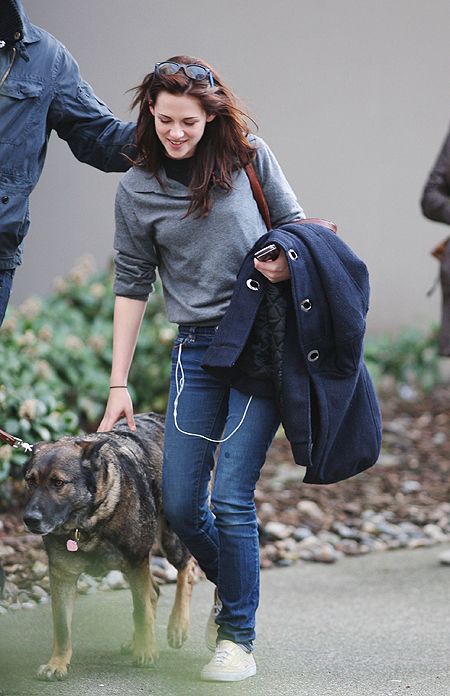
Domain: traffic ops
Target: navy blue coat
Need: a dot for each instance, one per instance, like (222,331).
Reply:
(329,409)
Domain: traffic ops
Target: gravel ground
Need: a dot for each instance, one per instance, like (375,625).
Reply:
(402,502)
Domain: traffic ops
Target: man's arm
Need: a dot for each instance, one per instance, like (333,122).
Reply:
(436,194)
(91,130)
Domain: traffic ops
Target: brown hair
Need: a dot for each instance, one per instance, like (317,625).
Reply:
(223,148)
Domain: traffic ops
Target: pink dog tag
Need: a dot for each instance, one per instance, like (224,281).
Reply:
(71,545)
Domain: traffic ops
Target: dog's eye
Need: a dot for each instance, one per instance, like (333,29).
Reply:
(58,483)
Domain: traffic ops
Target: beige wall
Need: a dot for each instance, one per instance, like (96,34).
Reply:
(352,95)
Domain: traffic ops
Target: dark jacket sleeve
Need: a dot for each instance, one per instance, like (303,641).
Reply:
(92,132)
(436,194)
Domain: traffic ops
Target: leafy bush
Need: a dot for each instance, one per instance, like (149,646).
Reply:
(56,359)
(411,359)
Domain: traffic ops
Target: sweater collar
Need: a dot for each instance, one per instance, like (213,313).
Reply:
(143,181)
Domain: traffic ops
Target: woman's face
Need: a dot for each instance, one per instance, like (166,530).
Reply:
(180,122)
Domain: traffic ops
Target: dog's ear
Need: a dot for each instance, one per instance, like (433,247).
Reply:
(86,446)
(26,466)
(89,451)
(83,443)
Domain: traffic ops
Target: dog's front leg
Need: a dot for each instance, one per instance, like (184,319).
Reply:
(63,590)
(145,597)
(177,630)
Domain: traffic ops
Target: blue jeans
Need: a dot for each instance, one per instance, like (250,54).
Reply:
(224,537)
(6,279)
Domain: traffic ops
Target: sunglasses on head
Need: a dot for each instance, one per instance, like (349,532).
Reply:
(192,70)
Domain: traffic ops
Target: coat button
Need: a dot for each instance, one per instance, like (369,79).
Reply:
(313,355)
(253,284)
(17,36)
(306,305)
(5,199)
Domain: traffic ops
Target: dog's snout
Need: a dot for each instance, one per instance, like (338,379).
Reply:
(33,519)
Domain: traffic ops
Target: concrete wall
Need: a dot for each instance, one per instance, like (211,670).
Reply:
(352,96)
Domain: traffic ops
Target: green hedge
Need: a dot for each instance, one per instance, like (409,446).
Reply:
(56,358)
(411,358)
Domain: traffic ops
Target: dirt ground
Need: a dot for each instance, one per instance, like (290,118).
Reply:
(410,483)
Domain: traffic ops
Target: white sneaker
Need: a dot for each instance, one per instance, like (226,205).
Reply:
(230,663)
(211,626)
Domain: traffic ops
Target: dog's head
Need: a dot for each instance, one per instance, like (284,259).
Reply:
(62,480)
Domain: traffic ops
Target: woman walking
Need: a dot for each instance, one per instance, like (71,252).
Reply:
(186,209)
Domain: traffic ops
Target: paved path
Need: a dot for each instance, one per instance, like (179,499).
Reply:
(372,626)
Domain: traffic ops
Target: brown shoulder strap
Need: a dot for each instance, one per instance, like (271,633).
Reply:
(263,208)
(258,194)
(439,250)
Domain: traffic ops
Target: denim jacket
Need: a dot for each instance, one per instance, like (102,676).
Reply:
(42,90)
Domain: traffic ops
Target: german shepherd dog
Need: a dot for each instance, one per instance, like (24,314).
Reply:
(97,502)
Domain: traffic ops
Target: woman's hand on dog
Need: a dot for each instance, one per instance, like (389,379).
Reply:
(119,405)
(128,314)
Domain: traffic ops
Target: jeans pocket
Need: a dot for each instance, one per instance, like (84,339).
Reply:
(181,339)
(198,335)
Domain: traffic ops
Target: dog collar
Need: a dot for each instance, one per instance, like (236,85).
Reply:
(72,544)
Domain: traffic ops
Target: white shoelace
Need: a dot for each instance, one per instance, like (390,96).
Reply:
(179,381)
(221,656)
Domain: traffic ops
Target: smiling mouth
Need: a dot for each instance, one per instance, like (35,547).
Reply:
(176,142)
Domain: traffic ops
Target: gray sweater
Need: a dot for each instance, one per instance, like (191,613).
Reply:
(198,259)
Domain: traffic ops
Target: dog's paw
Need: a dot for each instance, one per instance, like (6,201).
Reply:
(55,670)
(177,631)
(145,658)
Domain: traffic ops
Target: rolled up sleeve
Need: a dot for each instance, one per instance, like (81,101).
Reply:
(136,258)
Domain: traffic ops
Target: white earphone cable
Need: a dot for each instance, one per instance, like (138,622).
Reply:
(179,381)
